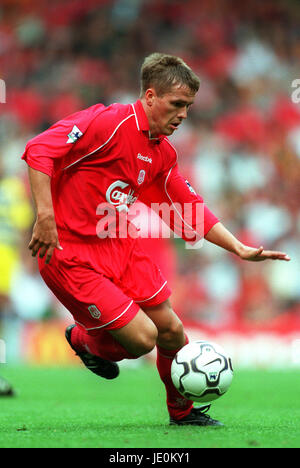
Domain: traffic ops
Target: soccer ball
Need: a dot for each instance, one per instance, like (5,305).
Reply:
(202,371)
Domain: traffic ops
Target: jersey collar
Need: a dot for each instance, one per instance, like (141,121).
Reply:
(142,122)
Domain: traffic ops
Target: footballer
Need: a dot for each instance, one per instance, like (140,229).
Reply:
(109,157)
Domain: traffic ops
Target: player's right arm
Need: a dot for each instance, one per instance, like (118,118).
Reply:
(44,236)
(50,153)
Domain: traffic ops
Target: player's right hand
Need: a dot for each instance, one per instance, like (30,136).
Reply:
(44,237)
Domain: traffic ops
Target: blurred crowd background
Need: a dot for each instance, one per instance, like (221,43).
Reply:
(240,147)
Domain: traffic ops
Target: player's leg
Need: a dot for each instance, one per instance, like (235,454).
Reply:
(132,340)
(96,304)
(139,336)
(171,338)
(170,329)
(110,326)
(144,282)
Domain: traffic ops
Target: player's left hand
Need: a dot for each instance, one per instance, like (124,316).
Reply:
(258,255)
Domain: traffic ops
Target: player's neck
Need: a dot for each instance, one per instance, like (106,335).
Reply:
(153,131)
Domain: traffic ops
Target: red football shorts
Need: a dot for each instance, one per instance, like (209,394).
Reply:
(104,284)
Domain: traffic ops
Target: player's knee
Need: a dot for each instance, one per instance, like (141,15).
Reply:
(139,336)
(173,336)
(145,342)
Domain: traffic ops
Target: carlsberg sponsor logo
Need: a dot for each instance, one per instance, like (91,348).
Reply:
(116,194)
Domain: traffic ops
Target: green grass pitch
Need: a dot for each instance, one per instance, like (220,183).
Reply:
(73,408)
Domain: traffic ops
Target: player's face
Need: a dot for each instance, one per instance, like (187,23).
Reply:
(165,113)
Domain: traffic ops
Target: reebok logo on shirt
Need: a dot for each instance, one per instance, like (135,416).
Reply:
(144,158)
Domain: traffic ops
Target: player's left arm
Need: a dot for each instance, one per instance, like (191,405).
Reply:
(220,236)
(173,189)
(189,217)
(178,189)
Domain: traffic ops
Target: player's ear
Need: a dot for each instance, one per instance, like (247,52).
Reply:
(150,95)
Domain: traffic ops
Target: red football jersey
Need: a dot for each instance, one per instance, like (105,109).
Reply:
(101,160)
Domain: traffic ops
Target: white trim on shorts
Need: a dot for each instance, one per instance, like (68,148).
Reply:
(145,300)
(108,323)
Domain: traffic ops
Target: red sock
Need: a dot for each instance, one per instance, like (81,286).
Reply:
(178,406)
(100,343)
